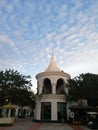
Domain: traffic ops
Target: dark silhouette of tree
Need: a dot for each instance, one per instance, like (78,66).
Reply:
(84,86)
(16,88)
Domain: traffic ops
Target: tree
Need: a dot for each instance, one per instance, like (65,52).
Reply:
(84,86)
(16,88)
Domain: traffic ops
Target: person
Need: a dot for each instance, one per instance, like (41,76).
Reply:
(62,119)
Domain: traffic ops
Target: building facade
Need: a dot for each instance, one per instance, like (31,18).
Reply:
(51,93)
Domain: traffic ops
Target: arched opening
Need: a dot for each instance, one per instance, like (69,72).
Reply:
(60,87)
(47,87)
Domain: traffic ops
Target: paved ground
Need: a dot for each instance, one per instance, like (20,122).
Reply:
(27,124)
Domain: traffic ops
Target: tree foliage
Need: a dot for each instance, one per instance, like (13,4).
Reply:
(16,88)
(84,86)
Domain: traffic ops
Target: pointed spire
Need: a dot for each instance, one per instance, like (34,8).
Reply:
(52,66)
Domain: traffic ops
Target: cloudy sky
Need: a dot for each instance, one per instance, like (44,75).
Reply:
(31,29)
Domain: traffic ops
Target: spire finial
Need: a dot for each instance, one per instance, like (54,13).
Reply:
(53,66)
(52,52)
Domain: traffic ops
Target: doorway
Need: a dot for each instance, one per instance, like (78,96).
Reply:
(61,111)
(46,110)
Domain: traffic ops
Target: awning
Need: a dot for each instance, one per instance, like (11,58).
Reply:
(92,113)
(81,107)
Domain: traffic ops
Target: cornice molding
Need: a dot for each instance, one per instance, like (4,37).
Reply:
(56,73)
(50,96)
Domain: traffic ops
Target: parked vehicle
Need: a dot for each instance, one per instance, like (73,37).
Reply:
(92,120)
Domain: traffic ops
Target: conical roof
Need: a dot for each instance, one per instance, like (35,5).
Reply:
(52,66)
(9,105)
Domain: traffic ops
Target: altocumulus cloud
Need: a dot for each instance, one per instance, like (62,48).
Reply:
(31,30)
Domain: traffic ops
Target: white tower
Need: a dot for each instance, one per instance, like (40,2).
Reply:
(51,95)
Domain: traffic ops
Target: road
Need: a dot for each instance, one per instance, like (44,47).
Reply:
(27,124)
